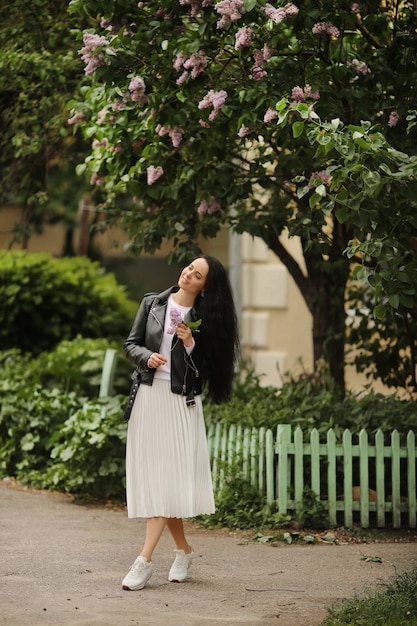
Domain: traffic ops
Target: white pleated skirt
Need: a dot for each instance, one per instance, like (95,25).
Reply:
(167,462)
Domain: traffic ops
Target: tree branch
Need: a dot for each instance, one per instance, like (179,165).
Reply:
(367,35)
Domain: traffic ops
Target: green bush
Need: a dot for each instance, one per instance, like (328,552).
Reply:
(40,395)
(88,452)
(311,401)
(45,300)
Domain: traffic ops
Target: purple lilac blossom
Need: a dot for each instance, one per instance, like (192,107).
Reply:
(244,131)
(322,175)
(196,62)
(76,118)
(153,173)
(181,79)
(243,37)
(325,28)
(393,119)
(230,10)
(270,115)
(137,89)
(179,61)
(100,144)
(257,71)
(176,136)
(175,133)
(360,67)
(96,179)
(88,53)
(208,207)
(310,95)
(119,103)
(291,9)
(280,14)
(300,94)
(276,15)
(216,99)
(101,116)
(267,52)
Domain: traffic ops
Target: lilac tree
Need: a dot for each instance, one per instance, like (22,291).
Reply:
(186,136)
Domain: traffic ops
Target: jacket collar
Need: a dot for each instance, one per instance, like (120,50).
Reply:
(163,299)
(164,295)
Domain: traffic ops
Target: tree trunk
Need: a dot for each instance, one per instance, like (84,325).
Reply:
(68,249)
(328,311)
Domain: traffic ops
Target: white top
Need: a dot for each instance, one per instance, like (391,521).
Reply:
(174,316)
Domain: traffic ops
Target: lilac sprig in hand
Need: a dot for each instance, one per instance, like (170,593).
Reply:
(176,318)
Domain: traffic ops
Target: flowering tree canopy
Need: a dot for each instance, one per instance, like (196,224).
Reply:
(186,135)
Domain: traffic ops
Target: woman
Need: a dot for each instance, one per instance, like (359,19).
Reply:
(182,339)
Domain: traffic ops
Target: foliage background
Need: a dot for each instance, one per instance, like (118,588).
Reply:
(45,300)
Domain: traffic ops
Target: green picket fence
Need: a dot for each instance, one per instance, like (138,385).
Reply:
(356,480)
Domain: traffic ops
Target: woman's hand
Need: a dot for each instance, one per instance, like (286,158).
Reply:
(185,334)
(156,360)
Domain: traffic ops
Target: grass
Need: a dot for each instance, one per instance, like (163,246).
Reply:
(395,605)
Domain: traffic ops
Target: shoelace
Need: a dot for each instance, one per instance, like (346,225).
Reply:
(181,561)
(138,566)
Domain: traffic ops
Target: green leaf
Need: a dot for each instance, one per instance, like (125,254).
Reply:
(380,311)
(394,300)
(314,199)
(341,214)
(194,326)
(281,104)
(297,129)
(371,179)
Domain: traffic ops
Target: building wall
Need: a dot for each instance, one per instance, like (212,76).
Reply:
(276,324)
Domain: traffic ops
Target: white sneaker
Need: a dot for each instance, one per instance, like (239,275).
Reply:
(179,570)
(138,575)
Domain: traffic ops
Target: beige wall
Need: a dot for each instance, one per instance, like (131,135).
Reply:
(109,243)
(276,324)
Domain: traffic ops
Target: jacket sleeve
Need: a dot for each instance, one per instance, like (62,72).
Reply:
(134,346)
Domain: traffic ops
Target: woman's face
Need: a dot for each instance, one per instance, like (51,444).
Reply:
(193,277)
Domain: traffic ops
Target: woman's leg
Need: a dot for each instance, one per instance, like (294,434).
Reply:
(154,529)
(175,526)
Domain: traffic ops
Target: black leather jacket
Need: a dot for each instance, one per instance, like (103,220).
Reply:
(146,337)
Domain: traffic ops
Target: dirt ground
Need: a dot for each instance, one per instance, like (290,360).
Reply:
(63,564)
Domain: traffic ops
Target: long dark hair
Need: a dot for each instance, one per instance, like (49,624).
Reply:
(219,338)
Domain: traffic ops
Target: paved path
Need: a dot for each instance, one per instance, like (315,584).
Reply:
(62,565)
